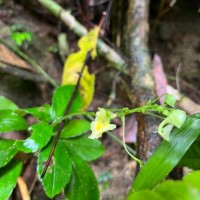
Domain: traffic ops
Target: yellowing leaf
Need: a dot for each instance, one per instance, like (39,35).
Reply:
(89,41)
(74,64)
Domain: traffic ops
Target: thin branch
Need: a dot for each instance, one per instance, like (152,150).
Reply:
(66,112)
(110,54)
(143,84)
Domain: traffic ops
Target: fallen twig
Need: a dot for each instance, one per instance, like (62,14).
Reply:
(23,189)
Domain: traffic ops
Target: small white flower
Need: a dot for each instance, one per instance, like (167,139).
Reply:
(102,123)
(175,118)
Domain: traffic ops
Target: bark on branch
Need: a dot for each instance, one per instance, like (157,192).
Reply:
(141,72)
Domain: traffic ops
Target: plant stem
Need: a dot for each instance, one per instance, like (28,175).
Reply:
(66,112)
(124,144)
(36,66)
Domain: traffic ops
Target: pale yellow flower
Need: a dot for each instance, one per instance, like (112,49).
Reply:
(102,123)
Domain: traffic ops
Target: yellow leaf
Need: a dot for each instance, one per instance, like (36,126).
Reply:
(74,64)
(89,41)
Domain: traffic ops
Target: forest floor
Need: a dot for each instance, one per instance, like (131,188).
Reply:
(175,37)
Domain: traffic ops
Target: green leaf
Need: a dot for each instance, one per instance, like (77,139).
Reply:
(42,113)
(167,155)
(191,158)
(83,184)
(85,148)
(61,99)
(186,189)
(75,128)
(6,104)
(59,171)
(8,178)
(41,135)
(7,151)
(144,195)
(21,37)
(10,121)
(193,179)
(177,190)
(170,100)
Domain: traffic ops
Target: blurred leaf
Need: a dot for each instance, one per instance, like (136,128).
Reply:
(144,194)
(75,128)
(191,158)
(61,99)
(83,184)
(74,64)
(7,151)
(59,171)
(20,37)
(10,121)
(6,104)
(186,189)
(167,155)
(177,190)
(85,148)
(193,179)
(42,113)
(8,179)
(41,134)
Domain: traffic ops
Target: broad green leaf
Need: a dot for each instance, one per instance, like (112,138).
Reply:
(186,189)
(59,171)
(7,151)
(193,179)
(6,104)
(41,135)
(177,190)
(8,179)
(83,184)
(75,128)
(167,155)
(191,158)
(74,64)
(42,113)
(61,99)
(11,121)
(144,195)
(85,148)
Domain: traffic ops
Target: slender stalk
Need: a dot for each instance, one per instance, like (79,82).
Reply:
(124,144)
(66,112)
